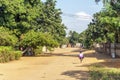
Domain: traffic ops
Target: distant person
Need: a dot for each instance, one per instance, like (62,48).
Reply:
(81,56)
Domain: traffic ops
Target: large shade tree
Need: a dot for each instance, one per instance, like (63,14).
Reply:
(23,16)
(105,26)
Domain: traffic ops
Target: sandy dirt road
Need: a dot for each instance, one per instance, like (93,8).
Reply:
(62,65)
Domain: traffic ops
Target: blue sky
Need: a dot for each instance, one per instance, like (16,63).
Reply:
(77,13)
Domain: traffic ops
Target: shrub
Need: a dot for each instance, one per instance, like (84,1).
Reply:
(11,56)
(17,55)
(8,54)
(38,50)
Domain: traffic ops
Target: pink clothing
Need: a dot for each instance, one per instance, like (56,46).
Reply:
(81,55)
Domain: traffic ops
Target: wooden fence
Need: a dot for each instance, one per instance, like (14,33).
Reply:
(112,49)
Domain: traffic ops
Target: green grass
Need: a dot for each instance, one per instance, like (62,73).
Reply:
(98,72)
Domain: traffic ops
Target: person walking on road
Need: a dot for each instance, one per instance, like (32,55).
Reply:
(81,56)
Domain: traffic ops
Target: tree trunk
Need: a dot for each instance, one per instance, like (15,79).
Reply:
(116,37)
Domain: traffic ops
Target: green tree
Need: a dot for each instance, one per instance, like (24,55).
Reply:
(105,26)
(34,39)
(73,37)
(22,16)
(7,38)
(19,15)
(51,21)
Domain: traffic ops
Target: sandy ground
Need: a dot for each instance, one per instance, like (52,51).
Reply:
(63,64)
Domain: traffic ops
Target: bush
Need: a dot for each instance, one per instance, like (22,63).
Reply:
(17,55)
(38,50)
(100,73)
(8,54)
(11,56)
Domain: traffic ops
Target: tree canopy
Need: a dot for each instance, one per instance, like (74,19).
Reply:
(73,37)
(105,26)
(7,38)
(35,39)
(33,22)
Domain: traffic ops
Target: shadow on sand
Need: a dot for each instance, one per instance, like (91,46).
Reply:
(77,74)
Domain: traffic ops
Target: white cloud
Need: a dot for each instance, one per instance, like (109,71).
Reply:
(79,16)
(83,16)
(43,0)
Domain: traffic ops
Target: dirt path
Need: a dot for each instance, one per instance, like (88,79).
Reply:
(62,65)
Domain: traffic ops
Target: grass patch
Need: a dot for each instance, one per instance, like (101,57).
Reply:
(98,72)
